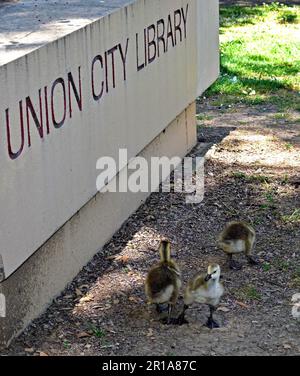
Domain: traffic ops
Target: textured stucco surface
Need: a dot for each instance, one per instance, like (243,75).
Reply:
(29,24)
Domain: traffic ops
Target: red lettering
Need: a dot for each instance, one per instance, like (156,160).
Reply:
(58,81)
(14,155)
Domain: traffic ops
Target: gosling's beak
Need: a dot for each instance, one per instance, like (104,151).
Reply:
(208,277)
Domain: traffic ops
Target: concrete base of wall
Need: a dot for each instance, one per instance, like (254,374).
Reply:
(32,287)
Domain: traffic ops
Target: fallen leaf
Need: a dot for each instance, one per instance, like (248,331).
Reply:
(87,298)
(83,335)
(223,309)
(111,257)
(124,259)
(134,299)
(150,332)
(242,304)
(42,353)
(29,350)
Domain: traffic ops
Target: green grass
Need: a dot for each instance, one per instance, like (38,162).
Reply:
(270,197)
(251,178)
(295,281)
(260,56)
(204,117)
(248,292)
(294,217)
(266,267)
(281,264)
(96,331)
(288,16)
(66,344)
(288,146)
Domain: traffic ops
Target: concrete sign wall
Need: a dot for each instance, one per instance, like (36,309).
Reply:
(115,83)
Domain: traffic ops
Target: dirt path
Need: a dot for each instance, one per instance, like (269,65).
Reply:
(252,173)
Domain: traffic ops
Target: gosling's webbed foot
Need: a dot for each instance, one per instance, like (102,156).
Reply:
(160,308)
(234,265)
(181,320)
(212,324)
(169,321)
(252,260)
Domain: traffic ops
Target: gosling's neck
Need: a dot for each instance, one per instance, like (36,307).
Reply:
(213,282)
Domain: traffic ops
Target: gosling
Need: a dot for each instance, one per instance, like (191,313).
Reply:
(237,237)
(163,281)
(206,289)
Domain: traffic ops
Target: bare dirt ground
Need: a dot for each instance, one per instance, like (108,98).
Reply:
(252,173)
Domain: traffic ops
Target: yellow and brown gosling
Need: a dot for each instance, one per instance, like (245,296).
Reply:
(237,237)
(164,281)
(204,288)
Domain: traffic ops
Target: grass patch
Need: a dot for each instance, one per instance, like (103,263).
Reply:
(204,117)
(260,56)
(281,264)
(288,17)
(295,281)
(96,331)
(251,178)
(294,217)
(266,267)
(283,116)
(288,146)
(239,175)
(66,344)
(248,292)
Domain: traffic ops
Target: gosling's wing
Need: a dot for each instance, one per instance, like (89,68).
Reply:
(236,230)
(199,281)
(159,277)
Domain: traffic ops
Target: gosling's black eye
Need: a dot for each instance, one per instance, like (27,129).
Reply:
(215,271)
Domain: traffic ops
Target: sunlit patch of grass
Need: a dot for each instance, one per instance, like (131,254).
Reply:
(204,117)
(288,16)
(294,217)
(283,116)
(260,57)
(251,178)
(288,146)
